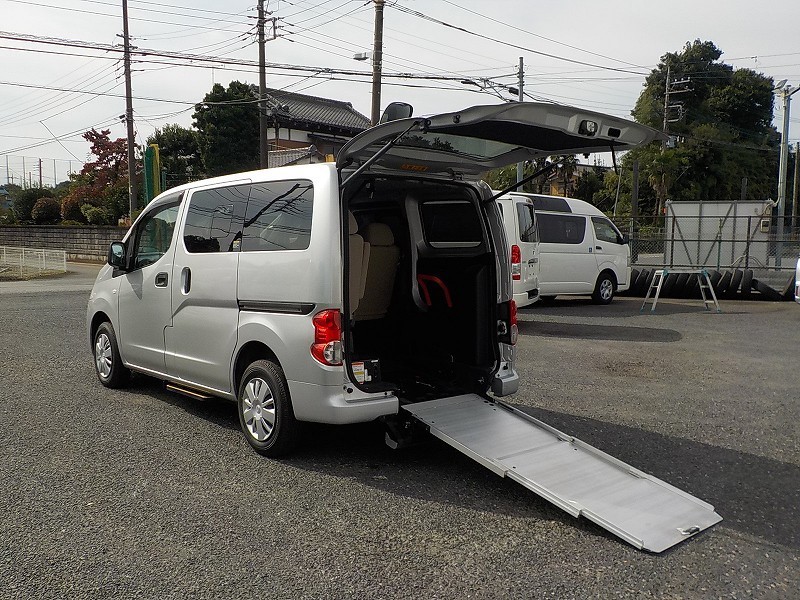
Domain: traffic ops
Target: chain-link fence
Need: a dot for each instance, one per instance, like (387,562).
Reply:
(720,235)
(28,262)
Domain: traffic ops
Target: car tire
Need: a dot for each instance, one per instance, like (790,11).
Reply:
(747,284)
(724,284)
(265,410)
(736,282)
(604,288)
(107,361)
(679,291)
(641,281)
(668,284)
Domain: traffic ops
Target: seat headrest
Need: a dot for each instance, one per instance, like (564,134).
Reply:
(379,234)
(352,224)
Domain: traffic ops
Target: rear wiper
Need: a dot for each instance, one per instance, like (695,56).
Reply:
(421,123)
(543,171)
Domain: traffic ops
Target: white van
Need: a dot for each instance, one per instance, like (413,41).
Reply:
(335,293)
(563,246)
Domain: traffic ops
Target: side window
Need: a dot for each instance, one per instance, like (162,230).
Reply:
(561,229)
(154,234)
(451,224)
(278,216)
(214,219)
(527,222)
(604,230)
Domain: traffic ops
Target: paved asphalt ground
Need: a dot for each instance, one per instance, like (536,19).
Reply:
(144,494)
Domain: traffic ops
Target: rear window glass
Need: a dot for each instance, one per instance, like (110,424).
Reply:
(561,229)
(451,224)
(214,220)
(278,216)
(526,222)
(605,231)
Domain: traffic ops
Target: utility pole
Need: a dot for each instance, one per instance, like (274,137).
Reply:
(263,145)
(8,172)
(786,92)
(377,62)
(40,173)
(521,165)
(23,172)
(132,189)
(794,187)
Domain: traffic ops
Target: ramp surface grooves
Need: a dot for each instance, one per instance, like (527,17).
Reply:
(644,511)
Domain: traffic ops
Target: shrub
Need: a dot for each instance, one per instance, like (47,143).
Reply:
(96,215)
(71,208)
(24,201)
(46,211)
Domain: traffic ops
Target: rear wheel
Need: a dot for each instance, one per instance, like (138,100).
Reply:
(265,410)
(604,289)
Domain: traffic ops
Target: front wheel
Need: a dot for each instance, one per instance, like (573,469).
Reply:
(265,410)
(107,362)
(604,290)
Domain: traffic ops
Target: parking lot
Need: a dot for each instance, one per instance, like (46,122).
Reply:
(144,494)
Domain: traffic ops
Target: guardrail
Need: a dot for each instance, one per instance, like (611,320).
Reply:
(25,262)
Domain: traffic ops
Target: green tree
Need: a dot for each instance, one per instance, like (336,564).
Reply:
(723,128)
(227,128)
(179,150)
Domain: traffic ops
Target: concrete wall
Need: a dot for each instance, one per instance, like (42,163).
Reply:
(80,243)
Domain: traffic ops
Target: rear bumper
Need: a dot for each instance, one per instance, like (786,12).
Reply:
(526,298)
(333,405)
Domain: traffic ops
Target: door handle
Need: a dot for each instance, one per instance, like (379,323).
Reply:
(161,280)
(186,280)
(533,261)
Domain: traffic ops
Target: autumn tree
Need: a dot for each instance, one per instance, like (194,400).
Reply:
(102,182)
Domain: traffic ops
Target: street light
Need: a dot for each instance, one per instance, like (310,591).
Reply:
(786,92)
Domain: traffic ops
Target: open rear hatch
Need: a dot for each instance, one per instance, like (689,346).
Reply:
(477,139)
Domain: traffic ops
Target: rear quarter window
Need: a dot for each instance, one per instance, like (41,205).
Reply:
(278,216)
(214,219)
(561,229)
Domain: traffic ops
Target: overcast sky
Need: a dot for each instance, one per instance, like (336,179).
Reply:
(585,53)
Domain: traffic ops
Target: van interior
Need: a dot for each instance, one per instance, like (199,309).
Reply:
(422,277)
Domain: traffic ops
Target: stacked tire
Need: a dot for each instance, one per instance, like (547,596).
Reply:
(728,285)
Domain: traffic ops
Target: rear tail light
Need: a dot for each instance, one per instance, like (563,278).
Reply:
(327,346)
(514,328)
(507,324)
(516,263)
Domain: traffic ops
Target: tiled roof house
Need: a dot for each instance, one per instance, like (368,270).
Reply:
(300,122)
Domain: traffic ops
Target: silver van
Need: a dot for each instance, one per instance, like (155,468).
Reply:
(336,293)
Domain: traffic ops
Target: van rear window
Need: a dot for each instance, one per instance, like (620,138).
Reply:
(561,229)
(278,216)
(451,224)
(526,222)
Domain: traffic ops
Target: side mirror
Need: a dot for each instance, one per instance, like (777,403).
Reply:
(395,111)
(116,255)
(625,239)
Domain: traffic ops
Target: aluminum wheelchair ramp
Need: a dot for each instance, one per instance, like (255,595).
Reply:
(644,511)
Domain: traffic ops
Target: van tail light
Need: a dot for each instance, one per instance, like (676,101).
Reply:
(507,325)
(514,328)
(516,263)
(327,346)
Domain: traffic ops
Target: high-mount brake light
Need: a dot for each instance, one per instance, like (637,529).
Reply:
(516,263)
(327,346)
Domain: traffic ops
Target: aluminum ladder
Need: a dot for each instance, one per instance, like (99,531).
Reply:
(661,276)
